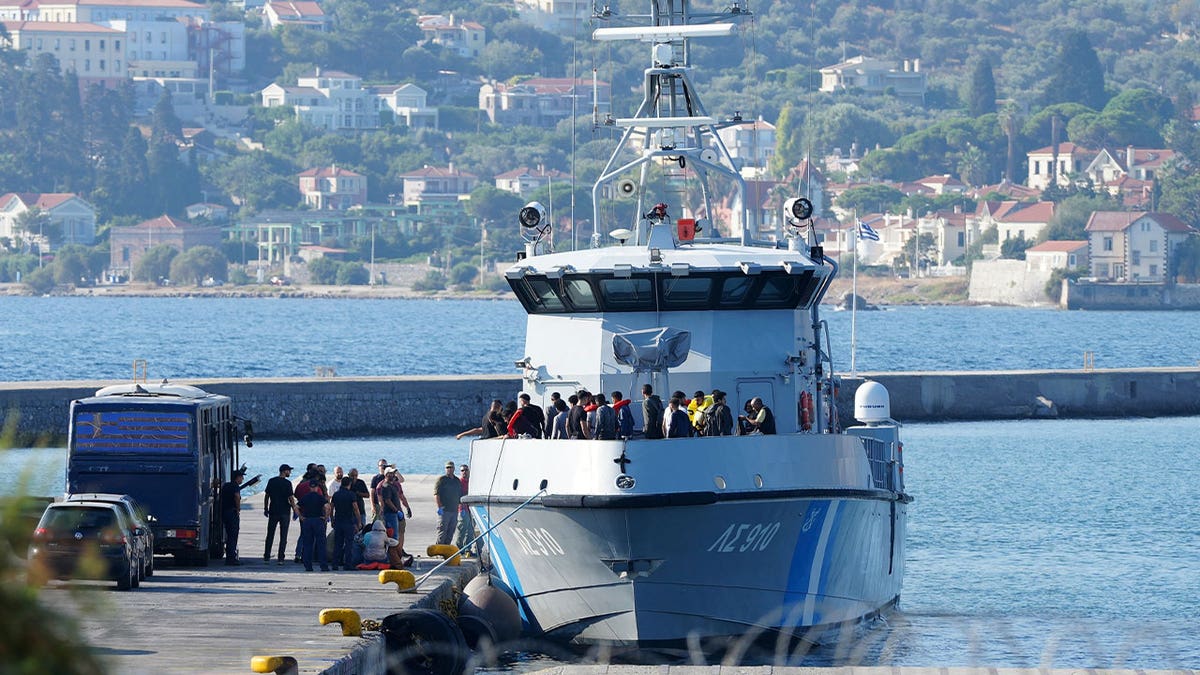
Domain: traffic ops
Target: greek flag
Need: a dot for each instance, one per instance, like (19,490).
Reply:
(865,231)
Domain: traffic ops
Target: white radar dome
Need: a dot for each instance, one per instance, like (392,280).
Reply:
(872,403)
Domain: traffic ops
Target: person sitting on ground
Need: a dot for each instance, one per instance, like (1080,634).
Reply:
(379,547)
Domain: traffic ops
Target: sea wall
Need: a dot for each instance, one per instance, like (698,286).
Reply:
(1087,295)
(340,407)
(1008,282)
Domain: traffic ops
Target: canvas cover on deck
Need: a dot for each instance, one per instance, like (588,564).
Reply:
(653,349)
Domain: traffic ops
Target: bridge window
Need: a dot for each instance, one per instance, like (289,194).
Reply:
(627,294)
(650,292)
(579,292)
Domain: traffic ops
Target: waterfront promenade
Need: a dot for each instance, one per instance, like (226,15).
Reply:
(215,619)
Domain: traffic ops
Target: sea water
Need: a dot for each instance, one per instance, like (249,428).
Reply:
(82,338)
(1049,543)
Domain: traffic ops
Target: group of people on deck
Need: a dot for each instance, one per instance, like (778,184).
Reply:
(584,415)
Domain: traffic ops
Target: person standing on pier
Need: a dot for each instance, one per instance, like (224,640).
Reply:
(314,512)
(376,481)
(231,514)
(447,492)
(278,507)
(345,522)
(359,488)
(465,529)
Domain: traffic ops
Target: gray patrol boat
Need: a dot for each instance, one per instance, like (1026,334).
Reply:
(644,542)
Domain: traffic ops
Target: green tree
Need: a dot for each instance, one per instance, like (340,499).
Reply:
(70,265)
(1185,259)
(1077,74)
(1014,248)
(463,274)
(323,271)
(980,95)
(155,264)
(353,274)
(871,198)
(1071,216)
(789,128)
(197,264)
(40,281)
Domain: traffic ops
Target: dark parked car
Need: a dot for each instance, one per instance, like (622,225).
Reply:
(82,540)
(137,517)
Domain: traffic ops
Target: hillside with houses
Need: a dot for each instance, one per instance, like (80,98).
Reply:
(1025,150)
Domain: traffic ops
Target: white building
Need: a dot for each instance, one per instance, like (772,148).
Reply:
(750,144)
(69,213)
(334,100)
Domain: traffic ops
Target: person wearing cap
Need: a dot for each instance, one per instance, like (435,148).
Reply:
(231,514)
(278,507)
(447,492)
(376,505)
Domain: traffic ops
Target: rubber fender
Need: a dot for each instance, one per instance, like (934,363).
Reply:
(476,629)
(280,665)
(447,551)
(348,618)
(423,642)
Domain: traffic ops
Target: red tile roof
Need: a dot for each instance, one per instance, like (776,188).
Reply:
(1065,148)
(329,172)
(162,223)
(1119,221)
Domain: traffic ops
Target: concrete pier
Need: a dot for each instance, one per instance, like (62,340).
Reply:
(216,619)
(397,406)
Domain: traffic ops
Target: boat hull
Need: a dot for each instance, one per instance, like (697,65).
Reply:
(654,574)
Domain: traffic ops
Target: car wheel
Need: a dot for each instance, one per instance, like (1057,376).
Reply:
(126,577)
(150,565)
(141,568)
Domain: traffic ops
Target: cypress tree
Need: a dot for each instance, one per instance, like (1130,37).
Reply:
(981,89)
(1078,77)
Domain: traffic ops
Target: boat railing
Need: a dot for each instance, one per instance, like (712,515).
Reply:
(882,462)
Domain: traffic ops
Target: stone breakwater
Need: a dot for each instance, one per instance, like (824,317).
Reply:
(397,406)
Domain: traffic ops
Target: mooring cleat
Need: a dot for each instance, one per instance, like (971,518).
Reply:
(280,665)
(348,618)
(404,580)
(445,551)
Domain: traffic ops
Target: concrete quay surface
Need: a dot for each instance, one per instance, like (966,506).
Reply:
(880,670)
(215,619)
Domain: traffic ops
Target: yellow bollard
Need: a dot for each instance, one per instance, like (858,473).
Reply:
(403,579)
(280,665)
(445,551)
(351,623)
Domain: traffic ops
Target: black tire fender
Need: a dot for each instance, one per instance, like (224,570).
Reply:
(423,642)
(475,629)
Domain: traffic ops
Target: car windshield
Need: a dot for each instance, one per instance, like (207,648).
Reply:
(79,519)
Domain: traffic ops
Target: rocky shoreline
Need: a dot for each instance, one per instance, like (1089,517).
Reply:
(875,291)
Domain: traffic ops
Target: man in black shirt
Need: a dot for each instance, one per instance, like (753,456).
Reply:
(577,426)
(345,522)
(314,511)
(535,415)
(278,507)
(359,488)
(231,507)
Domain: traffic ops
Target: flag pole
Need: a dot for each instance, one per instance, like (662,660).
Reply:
(854,294)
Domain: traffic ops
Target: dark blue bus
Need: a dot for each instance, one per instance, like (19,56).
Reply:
(169,446)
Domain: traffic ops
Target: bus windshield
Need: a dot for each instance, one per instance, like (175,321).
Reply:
(132,431)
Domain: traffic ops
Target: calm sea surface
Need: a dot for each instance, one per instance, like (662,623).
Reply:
(1058,543)
(1064,543)
(73,338)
